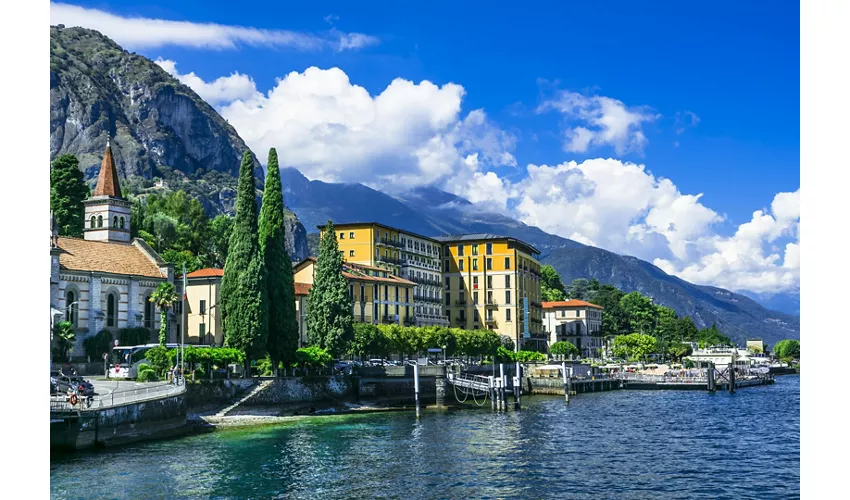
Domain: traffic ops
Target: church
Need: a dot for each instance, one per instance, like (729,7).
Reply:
(103,281)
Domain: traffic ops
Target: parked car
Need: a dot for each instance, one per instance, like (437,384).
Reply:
(63,383)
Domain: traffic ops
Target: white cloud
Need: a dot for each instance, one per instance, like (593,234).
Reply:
(225,89)
(414,134)
(594,121)
(141,32)
(684,121)
(408,135)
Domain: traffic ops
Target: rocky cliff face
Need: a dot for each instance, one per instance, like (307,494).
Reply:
(99,91)
(157,126)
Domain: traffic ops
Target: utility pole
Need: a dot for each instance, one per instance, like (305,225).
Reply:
(182,323)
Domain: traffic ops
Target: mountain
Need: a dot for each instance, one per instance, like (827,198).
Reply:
(433,212)
(157,127)
(787,302)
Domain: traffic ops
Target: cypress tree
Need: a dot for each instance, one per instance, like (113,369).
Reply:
(282,340)
(329,318)
(67,193)
(243,286)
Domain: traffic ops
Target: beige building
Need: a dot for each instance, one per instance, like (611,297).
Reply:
(201,310)
(756,346)
(103,281)
(486,279)
(378,296)
(577,322)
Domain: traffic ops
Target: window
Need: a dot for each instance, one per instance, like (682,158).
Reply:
(202,333)
(351,235)
(507,281)
(489,249)
(489,297)
(407,294)
(475,282)
(474,264)
(489,282)
(475,298)
(563,313)
(448,283)
(351,253)
(507,314)
(362,294)
(489,264)
(111,310)
(460,250)
(351,291)
(507,296)
(475,315)
(460,265)
(448,299)
(576,314)
(446,267)
(396,294)
(203,307)
(99,221)
(71,308)
(122,223)
(507,262)
(114,221)
(341,235)
(92,223)
(489,315)
(148,318)
(475,249)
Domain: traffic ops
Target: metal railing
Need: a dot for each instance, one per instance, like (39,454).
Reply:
(117,398)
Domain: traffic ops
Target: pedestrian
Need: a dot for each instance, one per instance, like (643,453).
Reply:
(174,375)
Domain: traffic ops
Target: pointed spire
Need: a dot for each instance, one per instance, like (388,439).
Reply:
(107,180)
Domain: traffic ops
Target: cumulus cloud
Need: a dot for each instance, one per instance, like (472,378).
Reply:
(411,134)
(142,32)
(594,121)
(415,134)
(225,89)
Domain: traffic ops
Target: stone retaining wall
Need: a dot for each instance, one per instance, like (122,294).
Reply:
(216,391)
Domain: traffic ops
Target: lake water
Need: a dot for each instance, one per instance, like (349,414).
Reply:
(621,444)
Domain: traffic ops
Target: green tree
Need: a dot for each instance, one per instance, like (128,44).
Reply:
(329,320)
(579,289)
(219,238)
(678,350)
(243,286)
(67,193)
(182,257)
(282,339)
(787,349)
(712,336)
(564,348)
(551,286)
(635,346)
(164,297)
(159,359)
(614,320)
(667,324)
(368,340)
(686,330)
(64,335)
(640,312)
(313,357)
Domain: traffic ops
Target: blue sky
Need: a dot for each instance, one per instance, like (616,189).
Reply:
(712,91)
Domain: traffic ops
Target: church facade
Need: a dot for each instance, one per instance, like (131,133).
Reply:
(103,281)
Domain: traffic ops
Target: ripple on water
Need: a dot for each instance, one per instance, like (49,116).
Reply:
(625,444)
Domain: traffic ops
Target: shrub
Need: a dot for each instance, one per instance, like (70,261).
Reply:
(146,374)
(159,359)
(564,348)
(98,344)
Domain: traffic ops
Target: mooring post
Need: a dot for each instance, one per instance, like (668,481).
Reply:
(712,381)
(490,383)
(416,386)
(732,378)
(440,384)
(502,385)
(517,386)
(566,385)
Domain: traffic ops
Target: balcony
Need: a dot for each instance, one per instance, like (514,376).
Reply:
(490,322)
(491,303)
(388,260)
(460,302)
(461,320)
(425,281)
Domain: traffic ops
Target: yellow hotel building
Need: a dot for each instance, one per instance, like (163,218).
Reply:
(407,255)
(486,278)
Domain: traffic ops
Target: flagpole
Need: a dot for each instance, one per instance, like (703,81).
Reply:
(183,322)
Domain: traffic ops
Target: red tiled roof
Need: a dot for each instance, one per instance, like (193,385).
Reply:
(105,257)
(107,179)
(206,273)
(302,288)
(569,303)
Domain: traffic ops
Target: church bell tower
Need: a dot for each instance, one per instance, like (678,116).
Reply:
(107,212)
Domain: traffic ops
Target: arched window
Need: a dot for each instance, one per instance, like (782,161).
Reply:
(92,222)
(148,312)
(114,221)
(71,307)
(111,310)
(122,222)
(99,221)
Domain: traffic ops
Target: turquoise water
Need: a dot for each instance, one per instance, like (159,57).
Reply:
(622,444)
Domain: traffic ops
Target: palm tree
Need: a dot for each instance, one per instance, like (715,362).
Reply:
(65,335)
(164,297)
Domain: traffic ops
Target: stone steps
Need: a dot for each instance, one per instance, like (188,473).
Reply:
(259,387)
